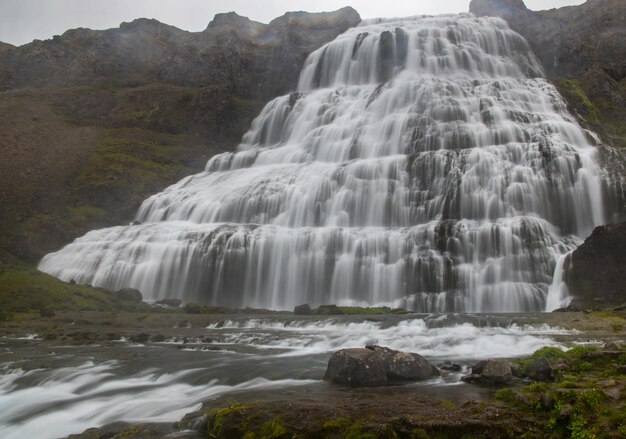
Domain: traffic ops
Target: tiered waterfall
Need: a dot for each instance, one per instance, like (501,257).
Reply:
(422,162)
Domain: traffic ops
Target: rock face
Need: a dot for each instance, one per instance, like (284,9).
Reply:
(233,51)
(570,40)
(596,270)
(95,121)
(376,366)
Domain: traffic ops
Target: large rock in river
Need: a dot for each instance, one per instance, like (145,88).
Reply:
(490,372)
(376,366)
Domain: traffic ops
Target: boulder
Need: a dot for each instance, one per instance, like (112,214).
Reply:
(404,366)
(356,367)
(376,366)
(450,366)
(490,372)
(302,310)
(595,273)
(129,294)
(539,369)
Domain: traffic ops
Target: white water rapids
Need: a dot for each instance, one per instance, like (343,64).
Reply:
(423,163)
(50,390)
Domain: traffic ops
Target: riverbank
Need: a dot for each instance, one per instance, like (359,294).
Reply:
(140,374)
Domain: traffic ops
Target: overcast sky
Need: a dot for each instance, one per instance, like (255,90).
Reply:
(21,21)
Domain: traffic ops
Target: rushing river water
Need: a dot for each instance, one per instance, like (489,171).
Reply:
(49,389)
(423,162)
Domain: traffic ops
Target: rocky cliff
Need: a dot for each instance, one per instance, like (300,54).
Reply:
(570,40)
(94,121)
(596,273)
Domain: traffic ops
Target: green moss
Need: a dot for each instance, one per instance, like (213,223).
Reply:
(355,431)
(505,394)
(573,405)
(336,423)
(272,429)
(216,418)
(25,289)
(549,353)
(118,163)
(601,116)
(419,433)
(447,404)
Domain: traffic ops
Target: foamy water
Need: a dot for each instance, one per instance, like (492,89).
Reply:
(54,390)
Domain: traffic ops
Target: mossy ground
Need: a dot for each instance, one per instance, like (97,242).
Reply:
(604,116)
(586,398)
(26,290)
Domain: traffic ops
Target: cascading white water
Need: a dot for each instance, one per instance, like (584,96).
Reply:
(422,163)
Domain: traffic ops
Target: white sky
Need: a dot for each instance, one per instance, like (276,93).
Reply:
(21,21)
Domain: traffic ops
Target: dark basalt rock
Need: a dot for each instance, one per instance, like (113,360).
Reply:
(377,366)
(450,366)
(596,268)
(129,294)
(302,310)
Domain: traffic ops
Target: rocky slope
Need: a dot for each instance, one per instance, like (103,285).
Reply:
(570,40)
(94,121)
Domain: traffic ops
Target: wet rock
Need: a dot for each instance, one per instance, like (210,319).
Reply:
(597,267)
(174,303)
(404,366)
(450,366)
(46,312)
(196,421)
(130,294)
(376,366)
(356,367)
(490,372)
(572,307)
(157,338)
(539,369)
(139,338)
(302,310)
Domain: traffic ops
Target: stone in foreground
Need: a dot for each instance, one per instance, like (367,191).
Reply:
(490,372)
(377,366)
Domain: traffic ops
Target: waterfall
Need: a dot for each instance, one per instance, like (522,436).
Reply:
(422,162)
